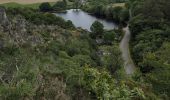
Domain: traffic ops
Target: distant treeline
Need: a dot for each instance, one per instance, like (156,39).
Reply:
(106,9)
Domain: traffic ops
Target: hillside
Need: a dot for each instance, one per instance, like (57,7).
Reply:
(43,56)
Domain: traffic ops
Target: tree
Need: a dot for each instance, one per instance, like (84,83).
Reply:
(109,36)
(99,10)
(65,2)
(45,6)
(69,24)
(124,15)
(97,29)
(102,85)
(151,10)
(60,5)
(76,4)
(116,13)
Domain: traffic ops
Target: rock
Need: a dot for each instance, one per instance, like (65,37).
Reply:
(4,22)
(20,24)
(3,16)
(99,41)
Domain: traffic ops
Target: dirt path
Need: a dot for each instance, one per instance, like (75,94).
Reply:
(26,1)
(124,46)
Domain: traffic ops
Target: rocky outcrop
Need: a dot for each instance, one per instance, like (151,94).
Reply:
(17,30)
(4,22)
(3,17)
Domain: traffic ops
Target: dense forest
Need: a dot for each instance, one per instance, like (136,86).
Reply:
(44,57)
(150,27)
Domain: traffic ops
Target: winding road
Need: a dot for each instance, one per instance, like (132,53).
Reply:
(124,47)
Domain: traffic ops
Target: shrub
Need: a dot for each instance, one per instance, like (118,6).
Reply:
(60,5)
(45,7)
(97,29)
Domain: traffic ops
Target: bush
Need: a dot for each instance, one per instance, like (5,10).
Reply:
(45,7)
(69,24)
(109,37)
(60,5)
(97,29)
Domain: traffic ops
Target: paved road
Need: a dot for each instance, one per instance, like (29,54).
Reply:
(124,47)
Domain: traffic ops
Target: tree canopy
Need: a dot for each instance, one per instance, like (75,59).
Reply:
(97,29)
(45,7)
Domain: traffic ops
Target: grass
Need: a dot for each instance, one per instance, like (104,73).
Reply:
(118,5)
(16,5)
(25,5)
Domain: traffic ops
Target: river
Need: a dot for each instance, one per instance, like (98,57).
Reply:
(84,20)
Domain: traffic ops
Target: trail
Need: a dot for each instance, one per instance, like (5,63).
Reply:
(124,47)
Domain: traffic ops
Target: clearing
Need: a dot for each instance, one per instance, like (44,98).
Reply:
(118,4)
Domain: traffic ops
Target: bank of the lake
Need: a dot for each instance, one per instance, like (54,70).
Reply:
(84,20)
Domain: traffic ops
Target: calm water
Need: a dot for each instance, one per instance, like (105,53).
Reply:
(84,20)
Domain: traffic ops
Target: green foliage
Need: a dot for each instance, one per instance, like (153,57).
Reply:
(17,5)
(76,4)
(149,26)
(75,47)
(69,24)
(45,7)
(59,64)
(40,18)
(101,84)
(116,12)
(83,59)
(159,75)
(22,89)
(18,81)
(42,70)
(109,37)
(124,15)
(104,9)
(104,2)
(97,29)
(112,59)
(60,5)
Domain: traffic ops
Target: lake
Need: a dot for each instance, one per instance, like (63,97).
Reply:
(85,20)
